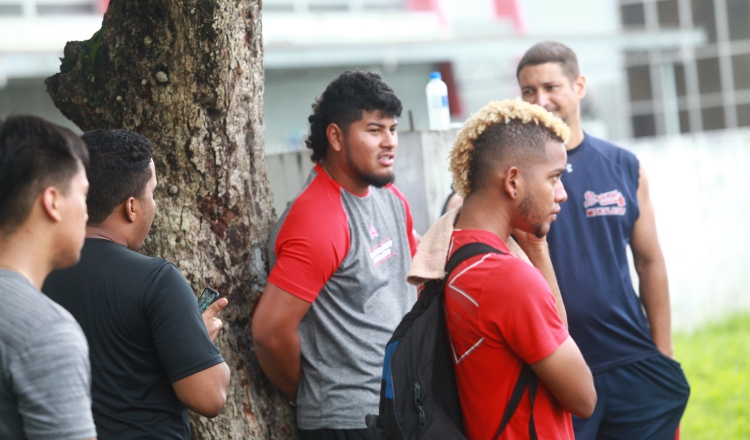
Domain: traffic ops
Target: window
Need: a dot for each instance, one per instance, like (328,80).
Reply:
(741,69)
(639,82)
(644,125)
(743,115)
(703,17)
(633,16)
(669,15)
(679,79)
(684,121)
(738,15)
(709,75)
(713,118)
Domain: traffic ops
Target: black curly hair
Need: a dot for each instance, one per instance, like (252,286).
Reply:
(343,102)
(118,169)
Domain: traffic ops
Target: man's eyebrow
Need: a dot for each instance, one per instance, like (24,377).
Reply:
(376,124)
(562,170)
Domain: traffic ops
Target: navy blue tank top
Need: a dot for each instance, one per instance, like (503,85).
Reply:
(588,244)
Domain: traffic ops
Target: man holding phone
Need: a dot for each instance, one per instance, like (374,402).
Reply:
(151,351)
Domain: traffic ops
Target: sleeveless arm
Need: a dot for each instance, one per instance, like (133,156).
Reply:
(652,271)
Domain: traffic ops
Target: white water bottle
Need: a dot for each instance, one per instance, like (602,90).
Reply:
(437,103)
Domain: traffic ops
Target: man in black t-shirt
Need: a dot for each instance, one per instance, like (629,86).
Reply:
(152,355)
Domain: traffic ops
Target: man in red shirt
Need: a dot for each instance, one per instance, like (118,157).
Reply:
(507,162)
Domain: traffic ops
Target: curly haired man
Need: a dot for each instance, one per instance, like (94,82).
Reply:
(339,256)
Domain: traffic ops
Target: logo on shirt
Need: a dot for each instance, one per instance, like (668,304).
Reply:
(610,203)
(373,232)
(569,168)
(383,251)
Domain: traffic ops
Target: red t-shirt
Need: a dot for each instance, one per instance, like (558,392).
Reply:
(501,314)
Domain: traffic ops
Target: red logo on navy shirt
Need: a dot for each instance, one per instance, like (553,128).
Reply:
(610,203)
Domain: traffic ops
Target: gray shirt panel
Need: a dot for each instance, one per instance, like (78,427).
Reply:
(344,333)
(45,387)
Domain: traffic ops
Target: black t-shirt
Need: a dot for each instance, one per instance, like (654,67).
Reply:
(145,332)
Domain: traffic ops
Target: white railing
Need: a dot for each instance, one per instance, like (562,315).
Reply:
(315,6)
(50,8)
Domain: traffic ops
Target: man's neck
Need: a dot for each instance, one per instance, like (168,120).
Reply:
(335,172)
(576,134)
(105,232)
(26,258)
(485,215)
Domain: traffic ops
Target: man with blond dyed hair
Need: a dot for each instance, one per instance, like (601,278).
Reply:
(501,315)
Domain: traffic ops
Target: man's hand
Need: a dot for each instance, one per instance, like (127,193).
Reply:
(538,252)
(276,339)
(535,248)
(212,323)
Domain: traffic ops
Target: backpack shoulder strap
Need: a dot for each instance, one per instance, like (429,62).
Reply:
(467,251)
(527,379)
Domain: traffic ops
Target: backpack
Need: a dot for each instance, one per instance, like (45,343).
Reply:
(418,395)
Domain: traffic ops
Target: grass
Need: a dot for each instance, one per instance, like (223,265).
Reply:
(716,361)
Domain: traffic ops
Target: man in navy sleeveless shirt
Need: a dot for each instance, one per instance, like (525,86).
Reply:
(642,389)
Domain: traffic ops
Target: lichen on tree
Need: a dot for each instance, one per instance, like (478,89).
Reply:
(189,76)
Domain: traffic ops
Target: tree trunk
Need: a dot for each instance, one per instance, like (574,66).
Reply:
(189,76)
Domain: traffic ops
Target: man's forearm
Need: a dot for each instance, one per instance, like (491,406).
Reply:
(538,254)
(654,291)
(280,360)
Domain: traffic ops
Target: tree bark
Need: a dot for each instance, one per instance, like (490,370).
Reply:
(189,76)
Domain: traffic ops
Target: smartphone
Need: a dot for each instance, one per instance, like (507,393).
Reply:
(207,298)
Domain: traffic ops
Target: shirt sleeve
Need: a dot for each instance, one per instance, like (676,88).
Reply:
(312,242)
(524,315)
(177,328)
(52,379)
(409,221)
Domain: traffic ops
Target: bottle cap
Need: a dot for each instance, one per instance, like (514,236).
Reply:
(436,75)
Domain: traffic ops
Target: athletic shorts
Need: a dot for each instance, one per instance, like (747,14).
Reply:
(641,400)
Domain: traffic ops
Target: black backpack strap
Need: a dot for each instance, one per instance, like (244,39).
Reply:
(532,398)
(527,379)
(465,252)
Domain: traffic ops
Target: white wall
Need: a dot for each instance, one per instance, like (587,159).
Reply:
(701,193)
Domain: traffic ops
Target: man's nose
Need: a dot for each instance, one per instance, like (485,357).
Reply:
(560,194)
(391,139)
(542,99)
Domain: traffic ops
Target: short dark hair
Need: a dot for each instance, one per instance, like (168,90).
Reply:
(119,169)
(34,154)
(343,102)
(551,52)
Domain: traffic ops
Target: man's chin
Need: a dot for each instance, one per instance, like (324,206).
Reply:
(378,180)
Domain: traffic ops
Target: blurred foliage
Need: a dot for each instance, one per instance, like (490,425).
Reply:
(716,361)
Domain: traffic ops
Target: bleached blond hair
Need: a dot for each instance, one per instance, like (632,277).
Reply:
(509,113)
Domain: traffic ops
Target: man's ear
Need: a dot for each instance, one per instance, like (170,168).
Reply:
(512,182)
(335,136)
(579,86)
(50,199)
(131,209)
